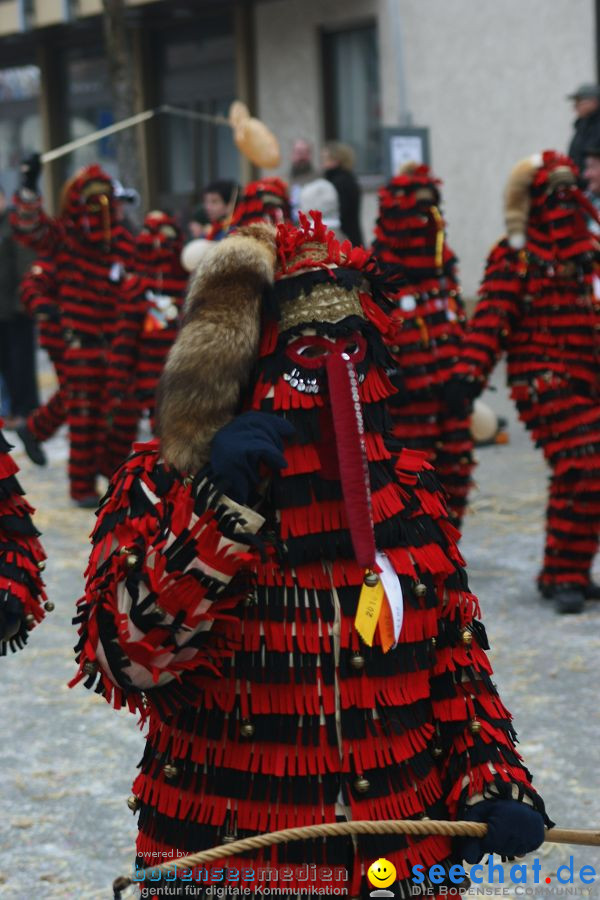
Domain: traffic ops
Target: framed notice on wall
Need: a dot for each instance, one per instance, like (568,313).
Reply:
(402,145)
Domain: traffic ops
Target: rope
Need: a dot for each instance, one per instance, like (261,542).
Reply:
(589,838)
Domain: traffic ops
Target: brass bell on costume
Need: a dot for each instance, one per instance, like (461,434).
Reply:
(41,565)
(475,726)
(371,579)
(247,729)
(466,637)
(48,605)
(170,771)
(30,619)
(362,785)
(357,661)
(420,589)
(133,803)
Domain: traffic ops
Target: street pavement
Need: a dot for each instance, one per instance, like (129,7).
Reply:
(68,759)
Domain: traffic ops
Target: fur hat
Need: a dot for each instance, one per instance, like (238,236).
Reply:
(210,362)
(517,199)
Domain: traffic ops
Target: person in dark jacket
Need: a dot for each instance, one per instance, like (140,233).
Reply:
(586,101)
(337,161)
(17,332)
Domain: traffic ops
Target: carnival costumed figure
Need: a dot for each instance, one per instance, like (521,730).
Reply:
(152,297)
(231,564)
(22,599)
(426,328)
(538,306)
(87,248)
(267,199)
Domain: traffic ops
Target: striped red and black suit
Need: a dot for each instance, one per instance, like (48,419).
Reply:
(426,331)
(22,558)
(39,297)
(540,309)
(88,299)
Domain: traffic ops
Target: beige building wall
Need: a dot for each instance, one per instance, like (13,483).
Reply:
(489,79)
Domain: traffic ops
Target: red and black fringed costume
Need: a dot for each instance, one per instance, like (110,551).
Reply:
(234,631)
(87,249)
(39,297)
(539,307)
(267,199)
(426,328)
(152,298)
(22,596)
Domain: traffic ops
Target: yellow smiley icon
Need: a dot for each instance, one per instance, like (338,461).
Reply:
(381,873)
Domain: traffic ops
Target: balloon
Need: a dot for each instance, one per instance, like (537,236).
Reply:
(257,143)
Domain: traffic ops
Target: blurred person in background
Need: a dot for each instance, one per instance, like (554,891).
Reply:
(320,195)
(337,161)
(586,103)
(302,171)
(591,174)
(17,331)
(219,200)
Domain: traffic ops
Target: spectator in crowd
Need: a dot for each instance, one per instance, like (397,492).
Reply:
(219,200)
(591,173)
(199,224)
(302,171)
(586,102)
(17,332)
(338,162)
(319,194)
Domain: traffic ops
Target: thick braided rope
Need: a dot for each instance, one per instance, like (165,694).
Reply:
(334,829)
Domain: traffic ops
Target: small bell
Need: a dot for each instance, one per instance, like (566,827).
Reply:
(420,589)
(475,726)
(48,605)
(41,565)
(371,579)
(30,619)
(362,785)
(247,729)
(357,661)
(466,637)
(133,803)
(170,771)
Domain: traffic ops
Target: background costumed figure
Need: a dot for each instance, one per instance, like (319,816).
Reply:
(426,328)
(230,566)
(87,248)
(151,301)
(538,305)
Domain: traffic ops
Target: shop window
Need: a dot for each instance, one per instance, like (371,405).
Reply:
(352,94)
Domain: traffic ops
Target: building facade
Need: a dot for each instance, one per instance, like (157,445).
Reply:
(487,80)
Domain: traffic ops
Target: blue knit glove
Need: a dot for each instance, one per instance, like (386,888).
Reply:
(240,447)
(514,829)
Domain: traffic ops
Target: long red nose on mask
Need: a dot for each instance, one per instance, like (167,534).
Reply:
(352,455)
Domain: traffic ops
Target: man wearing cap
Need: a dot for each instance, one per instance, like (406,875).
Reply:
(586,101)
(591,174)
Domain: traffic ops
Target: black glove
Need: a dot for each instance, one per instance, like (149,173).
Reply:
(514,829)
(458,394)
(240,447)
(30,172)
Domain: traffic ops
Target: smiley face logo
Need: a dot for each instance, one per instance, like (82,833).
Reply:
(381,873)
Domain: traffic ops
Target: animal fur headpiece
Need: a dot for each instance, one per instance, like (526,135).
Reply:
(234,308)
(529,184)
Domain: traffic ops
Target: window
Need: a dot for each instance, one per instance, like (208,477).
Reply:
(351,92)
